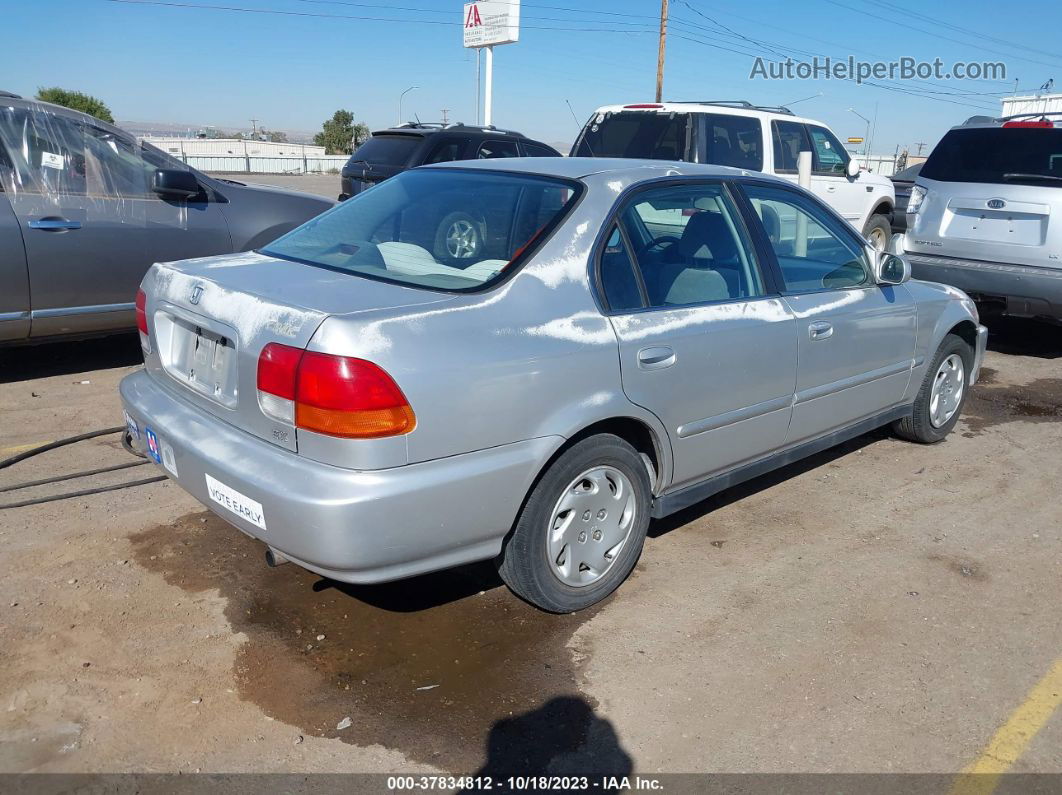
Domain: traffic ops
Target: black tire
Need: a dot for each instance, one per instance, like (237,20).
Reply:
(447,251)
(875,225)
(918,427)
(524,563)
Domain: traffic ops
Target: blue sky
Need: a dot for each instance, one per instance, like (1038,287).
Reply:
(153,62)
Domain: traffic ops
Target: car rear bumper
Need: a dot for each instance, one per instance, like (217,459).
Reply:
(354,526)
(1027,291)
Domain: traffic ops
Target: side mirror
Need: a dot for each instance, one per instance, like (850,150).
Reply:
(853,169)
(173,183)
(891,268)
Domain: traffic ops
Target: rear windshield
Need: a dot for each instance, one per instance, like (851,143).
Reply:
(657,136)
(445,229)
(1031,156)
(387,150)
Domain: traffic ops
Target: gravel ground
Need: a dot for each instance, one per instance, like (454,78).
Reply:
(880,607)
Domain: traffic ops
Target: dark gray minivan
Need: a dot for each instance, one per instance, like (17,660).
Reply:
(85,209)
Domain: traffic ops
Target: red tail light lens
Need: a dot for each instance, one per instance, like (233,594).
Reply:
(277,368)
(333,395)
(141,312)
(1042,123)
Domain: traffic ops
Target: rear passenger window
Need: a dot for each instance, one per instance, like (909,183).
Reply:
(690,249)
(537,150)
(444,152)
(491,149)
(735,141)
(618,281)
(790,139)
(813,250)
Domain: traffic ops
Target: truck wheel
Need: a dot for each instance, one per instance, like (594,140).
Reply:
(940,399)
(582,529)
(878,230)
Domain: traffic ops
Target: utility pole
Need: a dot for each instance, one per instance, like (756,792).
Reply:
(919,145)
(660,52)
(444,112)
(254,128)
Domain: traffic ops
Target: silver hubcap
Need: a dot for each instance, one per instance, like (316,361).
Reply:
(590,524)
(462,240)
(948,386)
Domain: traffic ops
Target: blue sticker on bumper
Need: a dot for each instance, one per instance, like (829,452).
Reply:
(153,445)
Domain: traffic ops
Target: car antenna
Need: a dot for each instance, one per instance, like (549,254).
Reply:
(576,120)
(415,116)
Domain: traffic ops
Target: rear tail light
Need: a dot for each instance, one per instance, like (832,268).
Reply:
(918,195)
(334,395)
(1042,123)
(141,320)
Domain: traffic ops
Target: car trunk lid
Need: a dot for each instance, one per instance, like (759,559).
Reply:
(211,318)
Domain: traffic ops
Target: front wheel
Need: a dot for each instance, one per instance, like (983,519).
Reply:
(877,231)
(940,399)
(582,529)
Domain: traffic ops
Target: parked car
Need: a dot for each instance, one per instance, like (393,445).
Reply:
(632,337)
(985,214)
(392,151)
(750,137)
(902,182)
(85,210)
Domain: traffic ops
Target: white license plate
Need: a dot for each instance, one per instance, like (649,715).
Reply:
(234,502)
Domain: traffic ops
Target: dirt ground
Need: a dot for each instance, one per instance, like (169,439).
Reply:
(880,607)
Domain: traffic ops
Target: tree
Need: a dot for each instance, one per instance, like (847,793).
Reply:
(276,136)
(76,100)
(339,135)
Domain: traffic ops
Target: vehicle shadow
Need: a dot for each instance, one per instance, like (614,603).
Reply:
(563,737)
(663,526)
(26,362)
(423,592)
(1016,336)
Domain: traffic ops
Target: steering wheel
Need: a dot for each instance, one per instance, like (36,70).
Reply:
(659,242)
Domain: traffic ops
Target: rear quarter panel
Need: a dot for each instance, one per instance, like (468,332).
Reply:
(531,358)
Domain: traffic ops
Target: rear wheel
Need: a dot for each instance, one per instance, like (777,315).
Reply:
(878,230)
(582,529)
(942,395)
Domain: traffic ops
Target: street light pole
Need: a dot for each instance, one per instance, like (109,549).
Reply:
(400,98)
(866,137)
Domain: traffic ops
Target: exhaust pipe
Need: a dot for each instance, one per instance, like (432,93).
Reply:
(274,558)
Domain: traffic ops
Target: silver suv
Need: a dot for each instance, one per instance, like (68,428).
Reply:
(985,214)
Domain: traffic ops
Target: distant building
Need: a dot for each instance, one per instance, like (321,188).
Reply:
(1036,103)
(235,147)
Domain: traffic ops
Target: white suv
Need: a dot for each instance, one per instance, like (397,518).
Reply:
(749,137)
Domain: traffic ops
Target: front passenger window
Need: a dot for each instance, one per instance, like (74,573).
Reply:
(813,250)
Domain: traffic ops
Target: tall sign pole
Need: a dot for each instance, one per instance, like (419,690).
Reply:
(486,23)
(660,52)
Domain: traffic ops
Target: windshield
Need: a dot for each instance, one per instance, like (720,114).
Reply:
(998,155)
(446,229)
(657,136)
(387,150)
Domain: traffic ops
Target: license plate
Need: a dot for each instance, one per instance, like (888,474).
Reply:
(234,502)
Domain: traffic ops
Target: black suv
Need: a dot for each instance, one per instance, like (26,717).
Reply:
(390,152)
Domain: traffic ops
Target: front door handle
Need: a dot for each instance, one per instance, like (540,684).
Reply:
(656,358)
(54,224)
(831,188)
(820,330)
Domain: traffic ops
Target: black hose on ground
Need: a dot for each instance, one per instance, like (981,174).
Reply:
(126,443)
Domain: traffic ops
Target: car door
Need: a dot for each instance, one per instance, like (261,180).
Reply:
(829,175)
(855,338)
(703,342)
(90,222)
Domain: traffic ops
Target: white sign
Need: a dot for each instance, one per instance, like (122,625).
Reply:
(241,505)
(489,22)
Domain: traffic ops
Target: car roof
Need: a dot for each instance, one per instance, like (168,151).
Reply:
(579,167)
(725,109)
(469,130)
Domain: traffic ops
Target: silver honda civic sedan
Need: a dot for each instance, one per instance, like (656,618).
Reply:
(528,361)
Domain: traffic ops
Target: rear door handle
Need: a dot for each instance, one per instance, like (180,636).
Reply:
(54,224)
(820,330)
(656,358)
